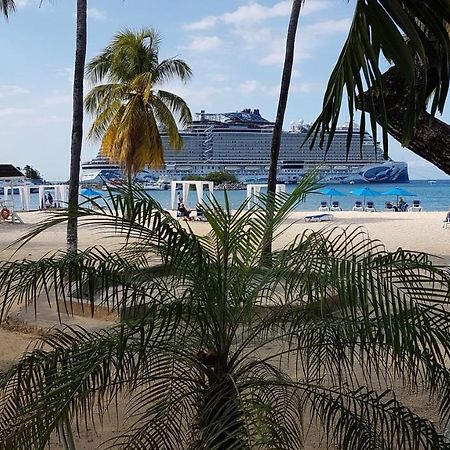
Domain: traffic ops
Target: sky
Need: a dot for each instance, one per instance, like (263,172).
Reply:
(235,49)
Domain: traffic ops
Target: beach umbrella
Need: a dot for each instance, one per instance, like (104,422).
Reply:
(332,192)
(399,192)
(365,192)
(88,192)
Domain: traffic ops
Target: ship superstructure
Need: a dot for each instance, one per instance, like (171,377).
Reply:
(239,143)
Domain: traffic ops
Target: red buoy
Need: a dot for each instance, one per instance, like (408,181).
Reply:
(5,213)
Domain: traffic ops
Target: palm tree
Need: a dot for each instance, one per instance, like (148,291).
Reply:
(282,103)
(227,354)
(413,37)
(6,6)
(77,122)
(131,105)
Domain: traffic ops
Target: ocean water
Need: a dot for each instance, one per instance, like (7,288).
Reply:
(434,197)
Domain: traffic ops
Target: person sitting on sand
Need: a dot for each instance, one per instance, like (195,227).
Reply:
(184,212)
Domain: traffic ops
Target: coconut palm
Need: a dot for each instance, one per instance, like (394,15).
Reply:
(130,105)
(412,36)
(6,6)
(226,353)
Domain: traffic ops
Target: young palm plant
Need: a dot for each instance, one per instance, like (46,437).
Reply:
(130,104)
(228,353)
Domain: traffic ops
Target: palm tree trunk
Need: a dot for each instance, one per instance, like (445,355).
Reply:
(431,138)
(77,122)
(278,127)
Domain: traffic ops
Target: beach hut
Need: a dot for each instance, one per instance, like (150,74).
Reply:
(254,190)
(8,175)
(185,186)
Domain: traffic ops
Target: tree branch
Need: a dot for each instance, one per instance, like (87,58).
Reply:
(431,139)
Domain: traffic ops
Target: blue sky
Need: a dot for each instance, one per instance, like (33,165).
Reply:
(235,49)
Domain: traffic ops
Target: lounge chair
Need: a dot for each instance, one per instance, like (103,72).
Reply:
(389,206)
(370,206)
(335,206)
(199,217)
(323,206)
(319,218)
(358,206)
(416,206)
(446,221)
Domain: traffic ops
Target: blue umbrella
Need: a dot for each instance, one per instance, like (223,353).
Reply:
(399,192)
(365,192)
(88,192)
(332,192)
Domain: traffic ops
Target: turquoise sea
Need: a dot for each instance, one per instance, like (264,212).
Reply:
(434,197)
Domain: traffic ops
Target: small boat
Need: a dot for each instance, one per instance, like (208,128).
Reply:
(431,182)
(152,186)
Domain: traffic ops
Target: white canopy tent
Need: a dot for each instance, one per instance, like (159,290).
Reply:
(185,186)
(253,191)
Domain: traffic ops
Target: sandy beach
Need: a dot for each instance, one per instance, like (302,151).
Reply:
(414,231)
(420,231)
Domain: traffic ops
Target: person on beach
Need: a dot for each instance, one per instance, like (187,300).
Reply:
(184,211)
(180,198)
(50,200)
(401,205)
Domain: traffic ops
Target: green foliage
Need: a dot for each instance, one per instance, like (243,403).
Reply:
(130,107)
(231,354)
(221,177)
(216,177)
(409,34)
(31,173)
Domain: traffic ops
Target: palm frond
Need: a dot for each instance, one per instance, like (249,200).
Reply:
(6,7)
(412,38)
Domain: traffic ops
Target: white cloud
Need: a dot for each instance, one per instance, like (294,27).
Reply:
(202,24)
(94,13)
(254,86)
(327,27)
(255,12)
(12,89)
(22,3)
(203,44)
(7,112)
(308,38)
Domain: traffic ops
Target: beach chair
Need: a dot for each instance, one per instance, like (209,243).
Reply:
(389,206)
(416,206)
(446,221)
(319,218)
(335,206)
(370,206)
(323,206)
(199,216)
(358,206)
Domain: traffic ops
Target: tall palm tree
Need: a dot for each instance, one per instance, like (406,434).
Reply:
(282,103)
(77,122)
(228,354)
(130,105)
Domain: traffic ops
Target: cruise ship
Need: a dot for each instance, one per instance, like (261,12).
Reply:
(239,143)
